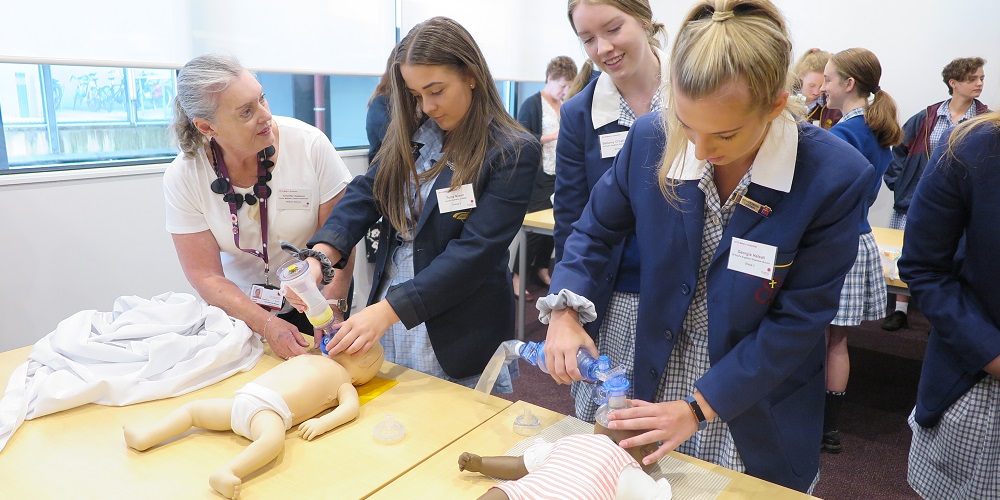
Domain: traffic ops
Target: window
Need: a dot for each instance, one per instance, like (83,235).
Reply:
(55,116)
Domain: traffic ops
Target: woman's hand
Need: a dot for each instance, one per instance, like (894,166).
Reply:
(359,333)
(671,422)
(284,338)
(563,339)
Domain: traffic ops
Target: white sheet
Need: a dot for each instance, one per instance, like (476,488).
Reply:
(144,349)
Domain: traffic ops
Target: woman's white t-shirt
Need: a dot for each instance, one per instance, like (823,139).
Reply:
(307,173)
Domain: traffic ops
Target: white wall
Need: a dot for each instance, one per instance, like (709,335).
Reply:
(897,32)
(79,243)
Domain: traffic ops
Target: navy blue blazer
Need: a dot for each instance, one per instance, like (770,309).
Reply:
(578,168)
(950,263)
(462,285)
(766,337)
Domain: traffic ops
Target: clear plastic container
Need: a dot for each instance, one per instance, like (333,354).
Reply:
(295,275)
(389,431)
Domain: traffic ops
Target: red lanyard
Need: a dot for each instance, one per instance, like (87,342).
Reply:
(261,172)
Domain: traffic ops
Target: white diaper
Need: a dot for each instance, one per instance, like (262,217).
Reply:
(253,398)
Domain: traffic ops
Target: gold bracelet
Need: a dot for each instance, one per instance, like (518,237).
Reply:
(264,331)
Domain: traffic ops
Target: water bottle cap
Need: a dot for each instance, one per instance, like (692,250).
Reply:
(617,385)
(389,431)
(292,269)
(527,424)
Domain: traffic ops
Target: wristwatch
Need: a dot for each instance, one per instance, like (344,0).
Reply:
(696,409)
(339,304)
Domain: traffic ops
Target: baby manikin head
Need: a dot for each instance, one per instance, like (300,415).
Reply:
(362,368)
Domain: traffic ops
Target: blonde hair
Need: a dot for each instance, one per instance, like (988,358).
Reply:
(862,65)
(199,84)
(813,61)
(958,134)
(438,41)
(721,42)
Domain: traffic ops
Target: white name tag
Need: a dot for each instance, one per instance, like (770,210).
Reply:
(612,143)
(293,199)
(462,198)
(750,257)
(267,297)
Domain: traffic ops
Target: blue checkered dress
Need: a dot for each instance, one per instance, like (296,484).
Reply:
(959,458)
(412,348)
(616,336)
(863,297)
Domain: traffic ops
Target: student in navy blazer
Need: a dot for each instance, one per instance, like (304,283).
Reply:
(622,40)
(950,262)
(441,299)
(729,346)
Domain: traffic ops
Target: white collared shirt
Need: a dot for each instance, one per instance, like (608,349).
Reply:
(606,107)
(774,166)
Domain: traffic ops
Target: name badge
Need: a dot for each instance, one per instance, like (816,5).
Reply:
(461,198)
(612,143)
(270,298)
(293,199)
(753,258)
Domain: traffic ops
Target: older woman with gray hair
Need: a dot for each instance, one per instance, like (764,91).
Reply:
(244,181)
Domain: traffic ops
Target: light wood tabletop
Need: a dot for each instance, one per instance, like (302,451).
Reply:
(438,477)
(542,219)
(888,237)
(80,453)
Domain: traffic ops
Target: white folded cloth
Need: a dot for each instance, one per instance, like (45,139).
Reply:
(144,349)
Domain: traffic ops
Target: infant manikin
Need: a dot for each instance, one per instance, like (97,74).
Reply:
(289,394)
(574,466)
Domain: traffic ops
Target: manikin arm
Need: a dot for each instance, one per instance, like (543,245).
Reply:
(347,410)
(510,468)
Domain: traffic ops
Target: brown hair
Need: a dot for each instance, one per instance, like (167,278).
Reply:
(560,67)
(438,41)
(880,115)
(638,9)
(961,69)
(720,42)
(384,81)
(582,79)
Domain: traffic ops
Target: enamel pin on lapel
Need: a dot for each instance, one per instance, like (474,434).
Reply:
(757,208)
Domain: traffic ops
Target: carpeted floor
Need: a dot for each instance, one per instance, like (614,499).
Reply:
(885,367)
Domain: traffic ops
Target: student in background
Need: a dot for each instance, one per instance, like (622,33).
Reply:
(452,181)
(851,78)
(742,268)
(623,41)
(964,78)
(539,114)
(236,159)
(950,264)
(809,70)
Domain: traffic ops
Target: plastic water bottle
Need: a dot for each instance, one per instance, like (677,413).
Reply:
(590,368)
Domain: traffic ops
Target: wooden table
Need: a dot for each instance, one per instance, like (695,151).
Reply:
(80,453)
(540,222)
(887,237)
(438,477)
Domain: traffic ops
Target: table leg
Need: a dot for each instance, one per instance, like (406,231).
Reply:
(522,253)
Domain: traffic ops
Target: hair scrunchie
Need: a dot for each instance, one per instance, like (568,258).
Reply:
(324,261)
